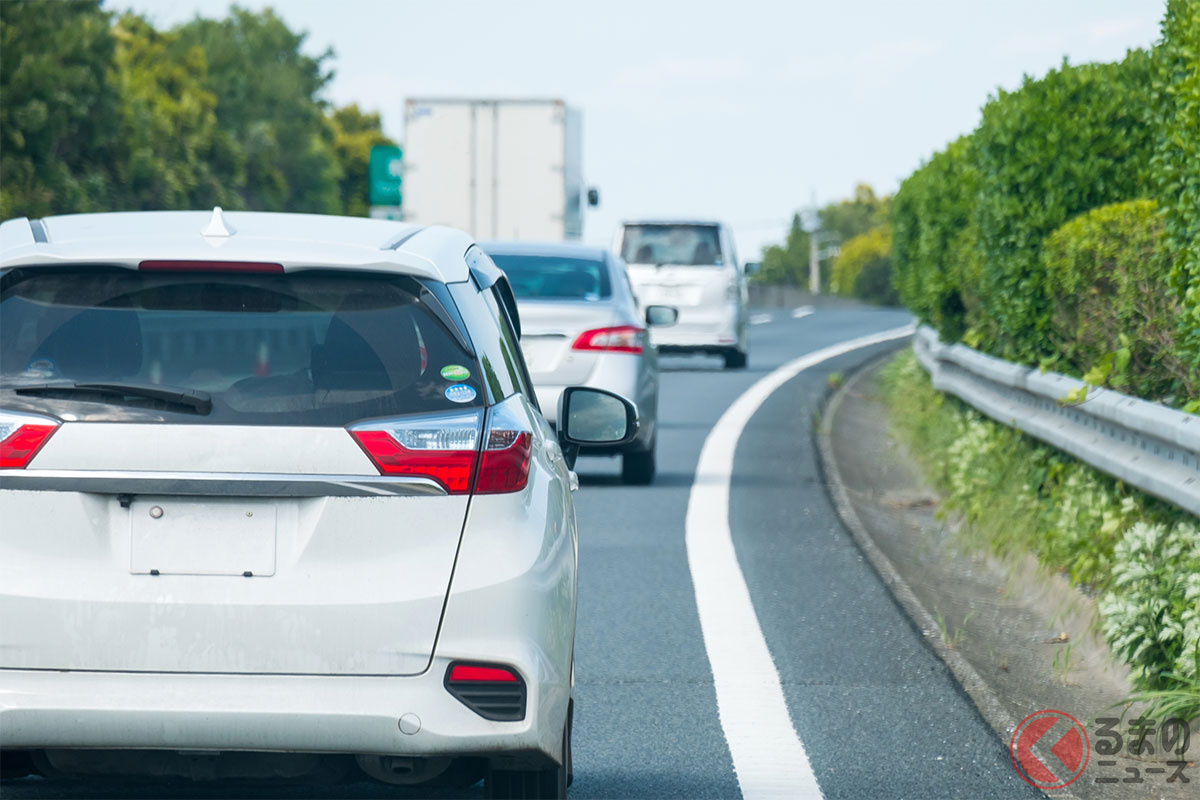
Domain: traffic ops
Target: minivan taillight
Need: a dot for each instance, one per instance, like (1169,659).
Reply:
(443,448)
(620,339)
(504,466)
(505,463)
(22,436)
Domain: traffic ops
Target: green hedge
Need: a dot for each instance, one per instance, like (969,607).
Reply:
(1176,163)
(1112,315)
(934,239)
(973,225)
(1076,139)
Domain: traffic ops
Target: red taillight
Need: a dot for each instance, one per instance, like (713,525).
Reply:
(20,446)
(210,266)
(451,468)
(507,448)
(468,672)
(621,339)
(445,447)
(505,463)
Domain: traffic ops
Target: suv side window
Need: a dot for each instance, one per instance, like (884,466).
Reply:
(512,347)
(500,374)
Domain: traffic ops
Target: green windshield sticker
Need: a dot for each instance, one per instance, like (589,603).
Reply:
(455,372)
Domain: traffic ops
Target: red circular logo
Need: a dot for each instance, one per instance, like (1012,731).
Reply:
(1068,745)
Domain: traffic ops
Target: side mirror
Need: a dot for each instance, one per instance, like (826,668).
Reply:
(590,417)
(753,267)
(657,316)
(593,196)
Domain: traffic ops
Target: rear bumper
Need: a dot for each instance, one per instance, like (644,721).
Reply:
(253,713)
(512,602)
(700,328)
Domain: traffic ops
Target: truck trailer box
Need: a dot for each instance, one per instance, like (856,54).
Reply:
(498,169)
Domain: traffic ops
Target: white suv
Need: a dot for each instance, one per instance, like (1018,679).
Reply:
(279,483)
(691,265)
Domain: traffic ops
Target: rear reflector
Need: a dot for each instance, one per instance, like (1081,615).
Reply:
(22,436)
(210,266)
(491,691)
(621,339)
(467,672)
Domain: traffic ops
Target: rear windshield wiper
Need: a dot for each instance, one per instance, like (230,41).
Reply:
(195,400)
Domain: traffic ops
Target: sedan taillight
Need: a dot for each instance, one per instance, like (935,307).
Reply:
(621,339)
(22,436)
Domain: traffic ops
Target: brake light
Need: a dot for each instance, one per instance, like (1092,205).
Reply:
(22,436)
(210,266)
(504,465)
(446,448)
(443,447)
(621,339)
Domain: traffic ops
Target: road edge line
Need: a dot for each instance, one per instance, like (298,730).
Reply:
(986,699)
(768,756)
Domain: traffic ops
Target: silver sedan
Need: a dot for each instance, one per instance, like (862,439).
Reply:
(581,327)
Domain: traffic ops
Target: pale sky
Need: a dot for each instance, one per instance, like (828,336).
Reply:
(740,111)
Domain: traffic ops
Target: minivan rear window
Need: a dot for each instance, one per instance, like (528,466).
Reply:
(309,348)
(676,244)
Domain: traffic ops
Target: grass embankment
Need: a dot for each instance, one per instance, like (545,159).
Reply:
(1139,556)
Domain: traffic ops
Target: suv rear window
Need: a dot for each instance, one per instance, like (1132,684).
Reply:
(679,245)
(238,349)
(551,277)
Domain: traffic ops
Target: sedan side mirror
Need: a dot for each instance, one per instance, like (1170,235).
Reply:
(590,417)
(661,315)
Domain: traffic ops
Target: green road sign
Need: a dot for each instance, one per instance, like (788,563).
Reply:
(385,171)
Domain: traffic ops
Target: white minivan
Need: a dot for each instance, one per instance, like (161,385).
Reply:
(692,266)
(277,499)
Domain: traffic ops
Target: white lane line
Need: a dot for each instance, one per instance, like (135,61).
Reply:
(759,319)
(802,312)
(768,756)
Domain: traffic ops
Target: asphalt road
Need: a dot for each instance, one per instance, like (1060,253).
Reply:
(878,714)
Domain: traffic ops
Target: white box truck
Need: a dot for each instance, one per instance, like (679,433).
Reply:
(498,169)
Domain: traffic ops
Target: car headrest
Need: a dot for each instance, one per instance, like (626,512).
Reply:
(368,347)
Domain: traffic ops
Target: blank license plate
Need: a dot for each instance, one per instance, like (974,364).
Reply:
(671,295)
(213,536)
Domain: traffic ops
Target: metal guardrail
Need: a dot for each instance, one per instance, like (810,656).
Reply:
(1144,444)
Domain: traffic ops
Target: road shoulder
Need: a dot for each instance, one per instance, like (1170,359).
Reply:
(1017,640)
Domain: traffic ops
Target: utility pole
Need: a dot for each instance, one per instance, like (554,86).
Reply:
(814,263)
(814,247)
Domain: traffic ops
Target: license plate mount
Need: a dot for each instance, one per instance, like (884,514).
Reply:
(209,536)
